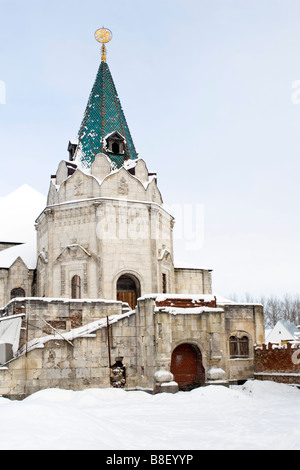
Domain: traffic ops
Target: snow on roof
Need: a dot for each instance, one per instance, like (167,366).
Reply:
(176,307)
(224,301)
(27,252)
(187,311)
(181,264)
(220,301)
(60,299)
(284,330)
(161,297)
(128,164)
(18,212)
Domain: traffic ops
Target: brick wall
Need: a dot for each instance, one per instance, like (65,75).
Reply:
(279,364)
(181,302)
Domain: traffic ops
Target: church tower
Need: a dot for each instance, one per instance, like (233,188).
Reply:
(104,232)
(104,128)
(104,236)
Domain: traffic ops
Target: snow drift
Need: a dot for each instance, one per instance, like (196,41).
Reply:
(257,415)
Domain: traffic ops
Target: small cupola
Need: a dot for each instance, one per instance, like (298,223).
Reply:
(115,143)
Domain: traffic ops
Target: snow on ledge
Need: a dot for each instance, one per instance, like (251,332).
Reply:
(60,299)
(187,311)
(194,297)
(81,332)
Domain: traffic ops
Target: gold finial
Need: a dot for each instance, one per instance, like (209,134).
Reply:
(103,36)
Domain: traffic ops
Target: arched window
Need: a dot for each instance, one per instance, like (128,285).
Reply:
(239,346)
(17,292)
(115,147)
(76,287)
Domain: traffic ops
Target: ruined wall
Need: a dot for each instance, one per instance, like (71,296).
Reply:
(278,364)
(243,320)
(61,314)
(145,339)
(164,324)
(83,364)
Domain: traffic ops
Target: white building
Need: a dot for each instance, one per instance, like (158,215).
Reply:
(103,283)
(284,331)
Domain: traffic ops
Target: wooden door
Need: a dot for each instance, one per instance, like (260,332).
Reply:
(127,296)
(186,366)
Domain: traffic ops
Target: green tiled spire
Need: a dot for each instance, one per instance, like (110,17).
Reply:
(103,116)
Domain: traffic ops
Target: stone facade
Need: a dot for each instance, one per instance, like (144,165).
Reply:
(67,344)
(104,304)
(17,276)
(101,229)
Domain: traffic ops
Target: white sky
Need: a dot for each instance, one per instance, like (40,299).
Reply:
(207,90)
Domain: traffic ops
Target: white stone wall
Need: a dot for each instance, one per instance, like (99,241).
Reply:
(145,339)
(17,276)
(193,281)
(100,226)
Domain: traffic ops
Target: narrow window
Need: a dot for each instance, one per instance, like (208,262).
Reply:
(244,346)
(233,346)
(76,287)
(164,283)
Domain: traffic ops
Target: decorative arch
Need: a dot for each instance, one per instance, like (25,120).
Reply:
(187,366)
(17,292)
(125,184)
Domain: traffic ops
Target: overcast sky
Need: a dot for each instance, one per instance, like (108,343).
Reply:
(210,93)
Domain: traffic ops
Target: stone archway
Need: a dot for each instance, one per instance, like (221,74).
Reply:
(128,289)
(187,367)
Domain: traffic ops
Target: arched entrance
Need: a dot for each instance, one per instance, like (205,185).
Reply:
(187,367)
(17,292)
(128,289)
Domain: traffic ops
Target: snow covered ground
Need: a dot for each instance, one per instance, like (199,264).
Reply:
(256,415)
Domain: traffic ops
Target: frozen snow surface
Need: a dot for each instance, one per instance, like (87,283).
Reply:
(259,415)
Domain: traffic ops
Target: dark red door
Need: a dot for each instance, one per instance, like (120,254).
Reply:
(186,366)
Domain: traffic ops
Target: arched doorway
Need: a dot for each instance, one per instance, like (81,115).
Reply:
(128,289)
(187,367)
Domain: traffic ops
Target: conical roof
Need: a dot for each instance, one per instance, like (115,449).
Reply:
(103,116)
